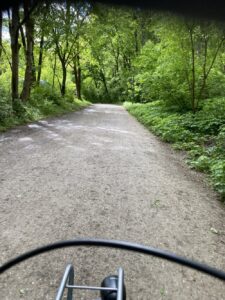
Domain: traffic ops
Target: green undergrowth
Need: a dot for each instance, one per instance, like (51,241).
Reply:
(201,134)
(43,103)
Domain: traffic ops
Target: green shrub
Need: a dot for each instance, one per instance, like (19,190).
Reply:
(43,103)
(201,163)
(201,134)
(218,176)
(5,105)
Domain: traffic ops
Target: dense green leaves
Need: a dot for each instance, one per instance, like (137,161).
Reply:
(202,135)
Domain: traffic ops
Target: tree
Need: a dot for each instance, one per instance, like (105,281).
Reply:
(176,65)
(205,44)
(1,20)
(14,23)
(29,72)
(67,19)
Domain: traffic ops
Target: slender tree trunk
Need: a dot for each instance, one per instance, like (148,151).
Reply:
(54,72)
(193,100)
(136,41)
(28,79)
(23,39)
(104,81)
(15,52)
(79,83)
(1,34)
(117,60)
(33,67)
(40,59)
(63,83)
(1,45)
(77,74)
(206,73)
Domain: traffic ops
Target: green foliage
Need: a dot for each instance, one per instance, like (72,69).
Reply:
(202,134)
(217,170)
(181,66)
(43,103)
(5,105)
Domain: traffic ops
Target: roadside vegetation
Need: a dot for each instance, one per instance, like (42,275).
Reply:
(169,70)
(43,103)
(202,134)
(179,91)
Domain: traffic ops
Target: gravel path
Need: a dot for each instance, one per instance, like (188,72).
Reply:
(99,173)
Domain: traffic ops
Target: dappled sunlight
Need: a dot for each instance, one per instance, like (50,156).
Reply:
(89,110)
(33,126)
(121,148)
(115,130)
(98,144)
(25,139)
(31,147)
(43,122)
(114,112)
(4,139)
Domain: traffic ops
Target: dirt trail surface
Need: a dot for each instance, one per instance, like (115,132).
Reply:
(98,173)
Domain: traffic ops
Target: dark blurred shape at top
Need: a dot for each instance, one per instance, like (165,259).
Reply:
(213,9)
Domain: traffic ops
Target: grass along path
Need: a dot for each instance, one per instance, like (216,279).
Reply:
(202,134)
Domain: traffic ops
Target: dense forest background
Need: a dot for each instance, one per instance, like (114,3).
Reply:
(169,71)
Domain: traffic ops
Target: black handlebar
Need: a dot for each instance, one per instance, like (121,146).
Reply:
(117,245)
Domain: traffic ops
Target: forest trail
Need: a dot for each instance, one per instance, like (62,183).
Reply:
(98,173)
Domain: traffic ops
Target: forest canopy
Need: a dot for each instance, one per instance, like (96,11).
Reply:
(110,54)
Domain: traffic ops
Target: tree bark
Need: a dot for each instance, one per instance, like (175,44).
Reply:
(193,101)
(13,28)
(29,72)
(104,81)
(77,74)
(136,42)
(40,59)
(79,83)
(54,72)
(63,83)
(23,39)
(1,33)
(206,73)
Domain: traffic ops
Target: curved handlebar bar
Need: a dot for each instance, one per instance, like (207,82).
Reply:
(117,245)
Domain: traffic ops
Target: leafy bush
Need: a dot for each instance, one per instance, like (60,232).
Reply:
(43,103)
(217,169)
(202,134)
(201,163)
(44,93)
(5,105)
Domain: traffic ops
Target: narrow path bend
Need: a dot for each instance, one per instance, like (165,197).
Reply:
(99,173)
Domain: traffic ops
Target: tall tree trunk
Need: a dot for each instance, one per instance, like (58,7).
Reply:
(1,46)
(29,77)
(104,81)
(0,34)
(63,83)
(54,72)
(207,72)
(15,51)
(193,100)
(136,41)
(33,67)
(79,82)
(77,74)
(23,39)
(40,59)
